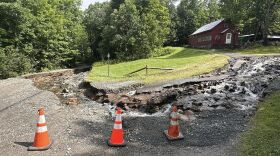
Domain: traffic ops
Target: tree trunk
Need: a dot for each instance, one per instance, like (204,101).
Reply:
(265,40)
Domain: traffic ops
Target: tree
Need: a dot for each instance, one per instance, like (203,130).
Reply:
(135,30)
(12,17)
(190,17)
(156,25)
(123,33)
(275,27)
(172,36)
(53,32)
(49,33)
(240,14)
(95,20)
(13,62)
(212,10)
(260,17)
(265,11)
(115,4)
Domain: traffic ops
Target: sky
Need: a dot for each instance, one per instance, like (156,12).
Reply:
(86,3)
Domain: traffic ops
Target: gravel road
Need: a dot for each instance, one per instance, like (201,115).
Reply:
(84,129)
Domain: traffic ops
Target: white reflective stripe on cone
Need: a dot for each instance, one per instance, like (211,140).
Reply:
(173,123)
(118,118)
(117,126)
(42,119)
(42,129)
(173,115)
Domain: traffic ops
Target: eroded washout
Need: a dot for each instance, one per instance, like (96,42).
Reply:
(223,102)
(239,85)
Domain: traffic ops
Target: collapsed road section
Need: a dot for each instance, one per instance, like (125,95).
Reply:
(83,129)
(239,85)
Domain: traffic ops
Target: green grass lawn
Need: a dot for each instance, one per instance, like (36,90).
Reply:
(259,50)
(186,61)
(263,138)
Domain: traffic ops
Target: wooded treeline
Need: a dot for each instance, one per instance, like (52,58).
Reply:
(133,29)
(38,35)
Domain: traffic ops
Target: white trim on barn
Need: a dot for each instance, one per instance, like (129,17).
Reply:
(228,38)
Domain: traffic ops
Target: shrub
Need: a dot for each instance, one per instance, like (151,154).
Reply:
(13,63)
(162,52)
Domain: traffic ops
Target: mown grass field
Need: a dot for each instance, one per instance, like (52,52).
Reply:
(187,62)
(263,137)
(259,50)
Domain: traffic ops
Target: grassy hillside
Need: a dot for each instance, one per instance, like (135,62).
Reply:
(263,138)
(186,61)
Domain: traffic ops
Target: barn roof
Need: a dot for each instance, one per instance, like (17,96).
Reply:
(207,27)
(246,35)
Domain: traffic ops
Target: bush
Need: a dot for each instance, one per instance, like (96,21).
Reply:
(162,52)
(13,63)
(252,45)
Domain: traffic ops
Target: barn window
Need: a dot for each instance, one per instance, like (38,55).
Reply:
(228,35)
(226,25)
(204,38)
(209,38)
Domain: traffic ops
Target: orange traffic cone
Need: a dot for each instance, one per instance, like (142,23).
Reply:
(173,132)
(41,140)
(117,139)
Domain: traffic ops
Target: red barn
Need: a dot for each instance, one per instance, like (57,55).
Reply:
(218,34)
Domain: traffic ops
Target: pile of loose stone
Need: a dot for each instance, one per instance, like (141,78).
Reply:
(245,82)
(241,90)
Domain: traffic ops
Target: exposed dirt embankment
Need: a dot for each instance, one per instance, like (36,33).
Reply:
(67,84)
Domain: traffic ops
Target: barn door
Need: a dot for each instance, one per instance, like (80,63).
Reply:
(228,38)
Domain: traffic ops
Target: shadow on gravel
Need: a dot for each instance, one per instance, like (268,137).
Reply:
(145,134)
(25,144)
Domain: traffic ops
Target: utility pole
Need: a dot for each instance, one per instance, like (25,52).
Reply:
(146,70)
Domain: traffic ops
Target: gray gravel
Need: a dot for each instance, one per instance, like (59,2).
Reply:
(20,101)
(85,128)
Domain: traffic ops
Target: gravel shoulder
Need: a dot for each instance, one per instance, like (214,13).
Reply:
(240,55)
(20,101)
